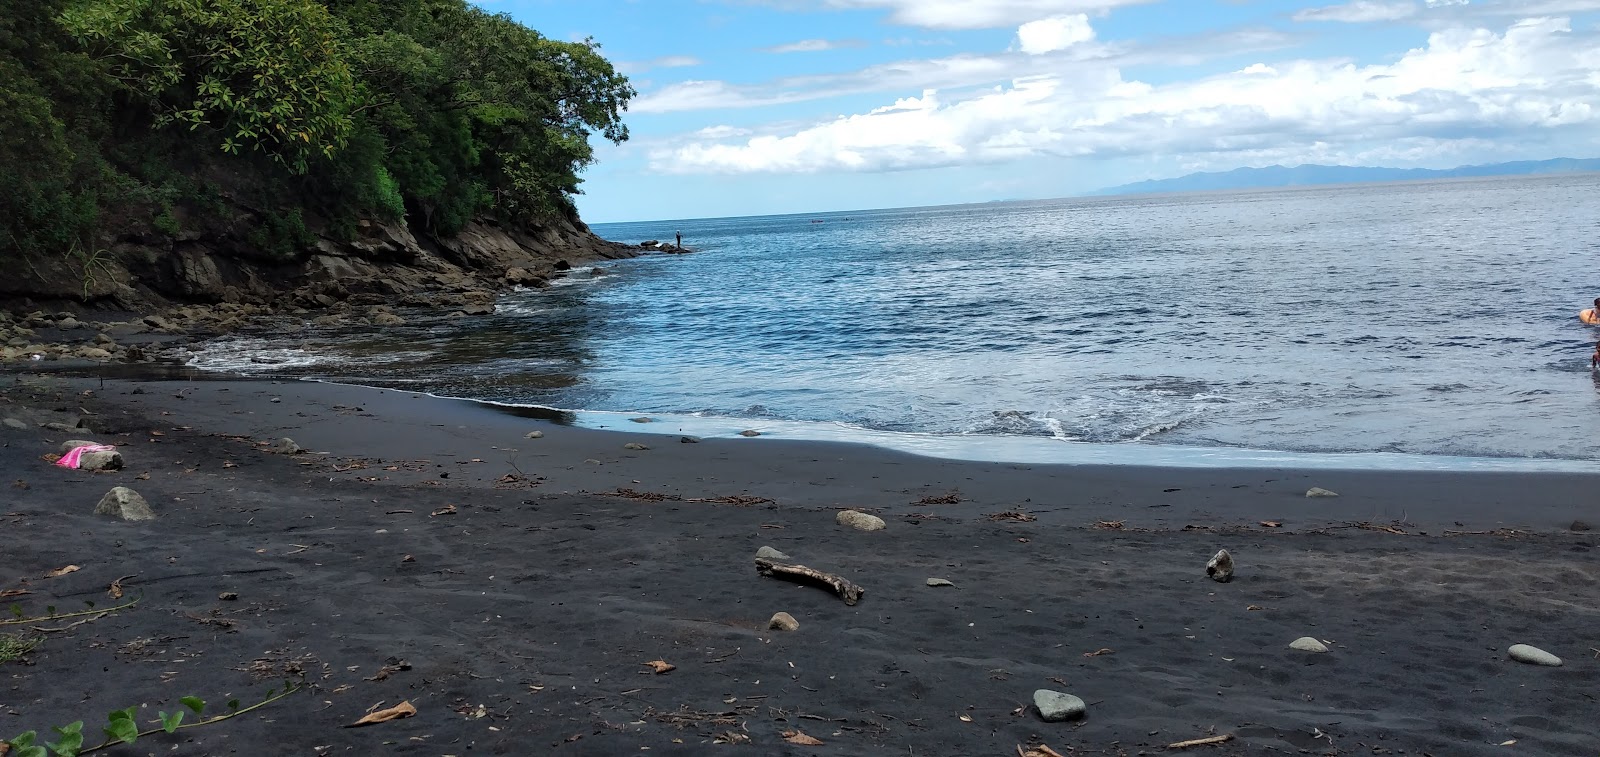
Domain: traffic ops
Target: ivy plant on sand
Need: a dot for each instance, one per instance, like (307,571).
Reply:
(121,727)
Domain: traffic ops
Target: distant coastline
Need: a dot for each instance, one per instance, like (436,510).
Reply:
(1315,175)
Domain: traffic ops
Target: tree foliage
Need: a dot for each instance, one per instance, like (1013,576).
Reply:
(330,110)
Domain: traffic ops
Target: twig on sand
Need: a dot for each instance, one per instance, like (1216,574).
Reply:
(1495,532)
(74,624)
(1208,741)
(849,592)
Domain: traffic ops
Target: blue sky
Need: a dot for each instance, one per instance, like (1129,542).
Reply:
(750,107)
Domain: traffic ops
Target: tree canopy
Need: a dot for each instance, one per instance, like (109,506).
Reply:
(337,110)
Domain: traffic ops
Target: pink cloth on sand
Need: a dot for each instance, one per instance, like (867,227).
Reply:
(74,456)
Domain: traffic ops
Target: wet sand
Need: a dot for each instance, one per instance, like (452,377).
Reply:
(531,600)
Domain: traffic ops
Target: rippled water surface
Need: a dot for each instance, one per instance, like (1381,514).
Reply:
(1435,319)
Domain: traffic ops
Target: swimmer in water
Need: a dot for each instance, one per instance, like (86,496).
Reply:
(1590,316)
(1594,360)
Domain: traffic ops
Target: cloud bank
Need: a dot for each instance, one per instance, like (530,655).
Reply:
(1066,96)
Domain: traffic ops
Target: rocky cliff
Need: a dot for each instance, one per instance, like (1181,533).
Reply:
(147,271)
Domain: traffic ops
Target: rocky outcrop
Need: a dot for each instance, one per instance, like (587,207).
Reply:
(145,271)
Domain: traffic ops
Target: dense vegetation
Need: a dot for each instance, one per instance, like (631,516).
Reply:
(311,112)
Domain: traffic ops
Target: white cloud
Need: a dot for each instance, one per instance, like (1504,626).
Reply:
(1054,33)
(1442,11)
(666,61)
(1535,78)
(814,45)
(951,72)
(979,14)
(1359,11)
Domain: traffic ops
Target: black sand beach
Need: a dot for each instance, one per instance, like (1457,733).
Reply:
(524,595)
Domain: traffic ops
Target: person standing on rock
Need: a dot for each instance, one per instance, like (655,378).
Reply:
(680,246)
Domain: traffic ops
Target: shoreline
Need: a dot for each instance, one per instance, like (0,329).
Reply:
(529,579)
(987,448)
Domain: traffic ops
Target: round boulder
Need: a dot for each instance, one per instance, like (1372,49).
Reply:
(859,520)
(122,502)
(1055,706)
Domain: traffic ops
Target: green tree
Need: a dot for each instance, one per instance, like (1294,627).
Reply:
(261,75)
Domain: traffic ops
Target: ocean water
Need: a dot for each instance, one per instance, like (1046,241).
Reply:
(1424,320)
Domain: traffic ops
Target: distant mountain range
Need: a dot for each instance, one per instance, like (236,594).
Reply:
(1306,175)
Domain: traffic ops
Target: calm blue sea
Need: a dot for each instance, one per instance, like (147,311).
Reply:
(1430,319)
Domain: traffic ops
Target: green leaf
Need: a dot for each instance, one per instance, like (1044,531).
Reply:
(233,705)
(121,726)
(169,723)
(194,703)
(49,609)
(71,740)
(16,609)
(33,751)
(23,740)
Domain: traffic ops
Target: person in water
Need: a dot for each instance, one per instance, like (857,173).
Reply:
(1590,315)
(1594,360)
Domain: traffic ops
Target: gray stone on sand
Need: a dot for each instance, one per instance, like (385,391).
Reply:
(940,582)
(1577,525)
(1220,568)
(689,439)
(388,319)
(1055,706)
(122,502)
(768,553)
(96,461)
(749,432)
(1308,644)
(16,424)
(286,446)
(858,520)
(634,446)
(72,444)
(783,622)
(1533,656)
(59,426)
(533,435)
(1317,491)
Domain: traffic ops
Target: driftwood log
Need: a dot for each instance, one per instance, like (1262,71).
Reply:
(846,590)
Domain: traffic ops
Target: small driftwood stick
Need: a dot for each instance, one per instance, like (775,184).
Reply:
(846,590)
(1209,741)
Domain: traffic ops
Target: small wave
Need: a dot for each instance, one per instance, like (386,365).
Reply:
(247,355)
(1157,430)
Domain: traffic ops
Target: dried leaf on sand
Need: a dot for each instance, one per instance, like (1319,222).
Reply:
(796,737)
(59,572)
(446,510)
(661,666)
(402,710)
(1038,751)
(1016,515)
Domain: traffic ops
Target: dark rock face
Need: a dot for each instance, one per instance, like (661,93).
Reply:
(144,271)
